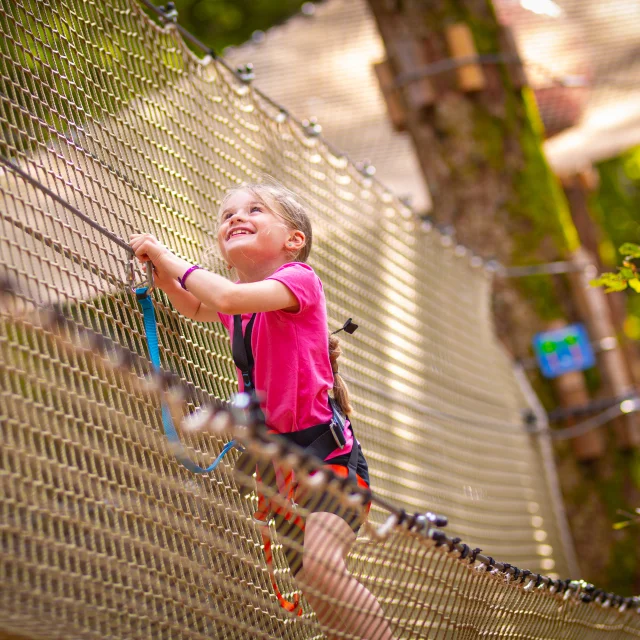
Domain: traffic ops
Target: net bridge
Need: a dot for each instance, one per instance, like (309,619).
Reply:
(111,126)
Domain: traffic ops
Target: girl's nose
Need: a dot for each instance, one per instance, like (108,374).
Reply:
(237,216)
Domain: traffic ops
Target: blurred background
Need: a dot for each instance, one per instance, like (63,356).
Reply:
(513,128)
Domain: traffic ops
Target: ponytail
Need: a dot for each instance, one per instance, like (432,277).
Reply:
(340,390)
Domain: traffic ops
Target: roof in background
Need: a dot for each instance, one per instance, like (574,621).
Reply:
(582,56)
(610,34)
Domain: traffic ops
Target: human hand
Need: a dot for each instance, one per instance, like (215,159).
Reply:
(152,253)
(147,247)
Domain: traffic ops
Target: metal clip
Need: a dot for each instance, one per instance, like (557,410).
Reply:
(334,428)
(169,13)
(132,276)
(246,73)
(311,127)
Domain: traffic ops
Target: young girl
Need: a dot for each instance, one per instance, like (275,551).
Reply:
(265,234)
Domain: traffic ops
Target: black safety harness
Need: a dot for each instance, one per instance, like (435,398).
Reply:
(319,440)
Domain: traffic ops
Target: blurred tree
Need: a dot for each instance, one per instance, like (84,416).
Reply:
(615,205)
(221,23)
(478,139)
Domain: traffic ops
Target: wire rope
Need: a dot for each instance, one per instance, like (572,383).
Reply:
(74,210)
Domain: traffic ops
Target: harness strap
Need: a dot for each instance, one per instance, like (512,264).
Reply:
(323,439)
(242,352)
(261,517)
(151,332)
(243,356)
(320,440)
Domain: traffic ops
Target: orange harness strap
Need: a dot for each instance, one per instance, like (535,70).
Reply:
(267,506)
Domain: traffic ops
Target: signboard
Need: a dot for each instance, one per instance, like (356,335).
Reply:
(563,350)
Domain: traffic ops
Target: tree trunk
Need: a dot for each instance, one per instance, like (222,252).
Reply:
(479,144)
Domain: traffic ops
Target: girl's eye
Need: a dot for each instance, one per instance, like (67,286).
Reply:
(255,208)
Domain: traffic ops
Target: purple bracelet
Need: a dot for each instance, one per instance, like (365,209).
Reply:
(187,273)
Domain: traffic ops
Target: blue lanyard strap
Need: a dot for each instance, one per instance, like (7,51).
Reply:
(151,331)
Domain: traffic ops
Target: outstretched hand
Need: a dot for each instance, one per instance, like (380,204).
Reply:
(151,252)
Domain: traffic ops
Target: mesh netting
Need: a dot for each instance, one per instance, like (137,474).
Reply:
(103,532)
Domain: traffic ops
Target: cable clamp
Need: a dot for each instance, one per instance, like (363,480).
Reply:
(474,554)
(169,13)
(368,170)
(311,127)
(385,529)
(246,73)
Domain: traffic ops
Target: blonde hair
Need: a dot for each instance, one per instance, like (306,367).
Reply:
(340,389)
(283,203)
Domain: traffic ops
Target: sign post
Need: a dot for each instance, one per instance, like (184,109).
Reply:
(562,350)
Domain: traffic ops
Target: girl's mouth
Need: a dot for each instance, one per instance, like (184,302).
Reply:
(234,233)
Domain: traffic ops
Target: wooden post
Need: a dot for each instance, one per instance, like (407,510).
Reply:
(461,45)
(597,314)
(601,310)
(406,54)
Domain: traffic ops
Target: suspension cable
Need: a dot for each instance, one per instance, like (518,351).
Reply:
(61,201)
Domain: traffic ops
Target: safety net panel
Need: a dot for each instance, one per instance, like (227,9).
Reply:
(111,126)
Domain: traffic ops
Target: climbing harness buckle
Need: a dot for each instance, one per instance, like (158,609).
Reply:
(132,278)
(335,429)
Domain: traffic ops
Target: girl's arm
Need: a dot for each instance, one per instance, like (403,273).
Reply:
(209,293)
(184,302)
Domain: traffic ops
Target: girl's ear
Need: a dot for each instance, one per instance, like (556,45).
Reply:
(296,240)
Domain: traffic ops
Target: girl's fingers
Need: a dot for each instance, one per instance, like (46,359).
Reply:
(146,247)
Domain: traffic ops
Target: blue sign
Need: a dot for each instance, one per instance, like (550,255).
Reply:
(563,350)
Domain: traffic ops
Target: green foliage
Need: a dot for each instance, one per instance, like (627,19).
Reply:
(616,203)
(221,23)
(541,196)
(630,250)
(615,206)
(626,276)
(630,519)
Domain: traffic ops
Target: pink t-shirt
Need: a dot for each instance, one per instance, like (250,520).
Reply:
(291,355)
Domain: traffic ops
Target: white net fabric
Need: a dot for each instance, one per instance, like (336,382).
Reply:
(103,532)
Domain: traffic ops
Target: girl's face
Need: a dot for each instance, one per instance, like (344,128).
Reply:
(250,232)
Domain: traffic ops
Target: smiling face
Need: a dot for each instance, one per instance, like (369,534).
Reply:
(252,234)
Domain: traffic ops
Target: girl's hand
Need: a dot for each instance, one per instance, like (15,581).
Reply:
(147,248)
(151,252)
(161,279)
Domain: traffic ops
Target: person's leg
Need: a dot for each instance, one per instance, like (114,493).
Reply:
(341,603)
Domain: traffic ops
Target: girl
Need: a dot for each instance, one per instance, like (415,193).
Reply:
(265,234)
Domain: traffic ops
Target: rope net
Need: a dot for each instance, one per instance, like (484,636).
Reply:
(104,533)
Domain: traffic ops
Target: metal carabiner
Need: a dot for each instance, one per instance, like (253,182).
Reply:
(132,276)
